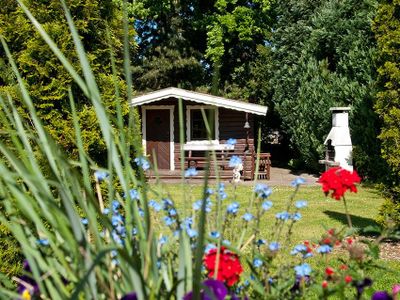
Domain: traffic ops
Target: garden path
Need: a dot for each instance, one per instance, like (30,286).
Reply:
(279,177)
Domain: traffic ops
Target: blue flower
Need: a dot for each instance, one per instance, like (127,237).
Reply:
(262,190)
(283,216)
(257,263)
(235,161)
(116,219)
(301,249)
(100,175)
(84,221)
(232,208)
(191,232)
(209,247)
(172,212)
(226,242)
(134,231)
(231,141)
(120,229)
(133,194)
(301,204)
(169,221)
(209,191)
(141,212)
(115,205)
(214,234)
(266,205)
(298,181)
(116,237)
(274,246)
(106,211)
(296,216)
(197,205)
(115,262)
(324,249)
(261,242)
(222,195)
(162,240)
(247,217)
(303,270)
(167,203)
(221,191)
(187,222)
(155,205)
(42,242)
(298,249)
(143,163)
(190,172)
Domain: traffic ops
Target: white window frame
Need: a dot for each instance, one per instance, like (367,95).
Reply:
(171,130)
(188,125)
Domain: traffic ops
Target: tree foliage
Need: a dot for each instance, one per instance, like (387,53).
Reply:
(323,56)
(199,43)
(387,31)
(171,38)
(235,32)
(47,81)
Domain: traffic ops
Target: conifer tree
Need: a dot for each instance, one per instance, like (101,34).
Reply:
(48,82)
(387,104)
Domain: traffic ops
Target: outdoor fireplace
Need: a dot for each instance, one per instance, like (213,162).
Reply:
(338,142)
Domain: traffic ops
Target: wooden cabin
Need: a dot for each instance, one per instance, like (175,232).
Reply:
(229,119)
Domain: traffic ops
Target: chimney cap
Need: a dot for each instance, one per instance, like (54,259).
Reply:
(339,109)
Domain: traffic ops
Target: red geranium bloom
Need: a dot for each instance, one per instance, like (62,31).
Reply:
(348,279)
(338,181)
(329,271)
(229,268)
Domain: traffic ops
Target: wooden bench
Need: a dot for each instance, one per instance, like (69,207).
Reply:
(264,166)
(222,158)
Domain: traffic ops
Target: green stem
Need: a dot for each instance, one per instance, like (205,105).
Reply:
(347,213)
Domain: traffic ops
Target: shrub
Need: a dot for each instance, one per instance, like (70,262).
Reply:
(10,253)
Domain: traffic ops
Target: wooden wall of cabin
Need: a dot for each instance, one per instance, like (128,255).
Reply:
(231,125)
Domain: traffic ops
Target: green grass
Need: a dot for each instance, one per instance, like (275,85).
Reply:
(321,213)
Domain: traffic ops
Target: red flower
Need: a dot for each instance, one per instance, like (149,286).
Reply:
(329,271)
(324,284)
(229,268)
(348,279)
(338,181)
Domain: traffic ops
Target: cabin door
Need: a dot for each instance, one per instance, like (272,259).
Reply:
(158,137)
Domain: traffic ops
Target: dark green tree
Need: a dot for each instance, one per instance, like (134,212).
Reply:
(48,82)
(171,40)
(323,56)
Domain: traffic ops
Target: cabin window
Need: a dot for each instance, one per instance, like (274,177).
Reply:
(197,131)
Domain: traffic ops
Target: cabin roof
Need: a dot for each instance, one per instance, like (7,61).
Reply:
(200,98)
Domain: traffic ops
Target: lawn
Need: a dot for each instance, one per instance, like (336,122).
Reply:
(321,213)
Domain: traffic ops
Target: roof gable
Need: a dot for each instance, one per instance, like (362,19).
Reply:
(200,98)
